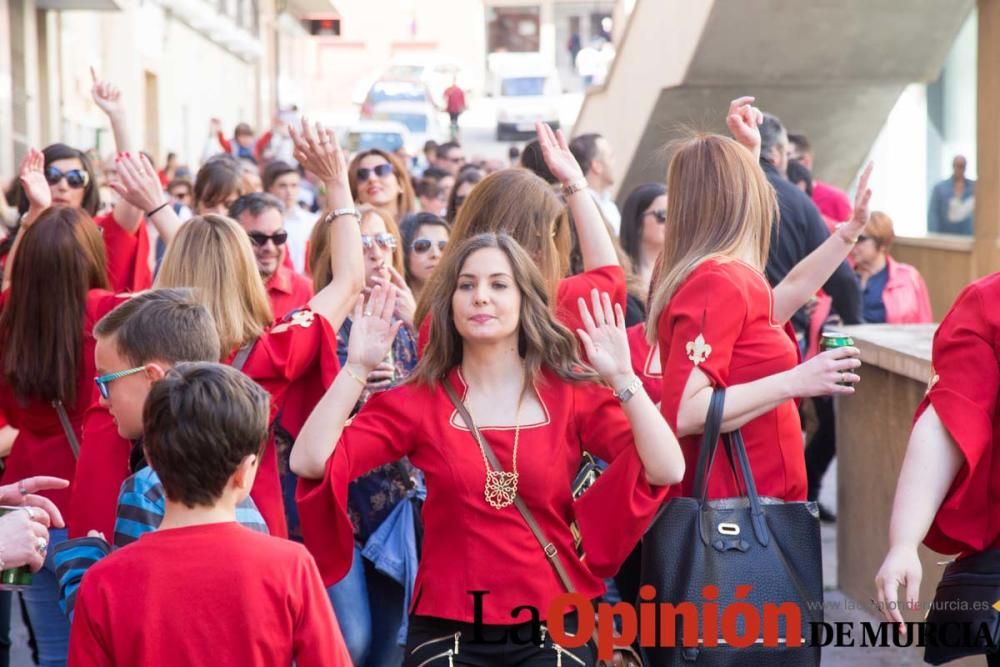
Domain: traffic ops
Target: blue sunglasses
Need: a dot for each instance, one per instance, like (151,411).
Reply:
(103,381)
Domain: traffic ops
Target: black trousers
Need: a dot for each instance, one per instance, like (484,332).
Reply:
(993,659)
(822,446)
(438,642)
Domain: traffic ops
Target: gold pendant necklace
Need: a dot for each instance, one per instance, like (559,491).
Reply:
(501,487)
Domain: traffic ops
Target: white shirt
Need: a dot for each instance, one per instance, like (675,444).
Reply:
(609,211)
(298,223)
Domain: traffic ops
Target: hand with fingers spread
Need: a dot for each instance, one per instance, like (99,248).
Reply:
(743,121)
(106,95)
(138,182)
(372,330)
(406,303)
(557,156)
(23,540)
(901,567)
(317,149)
(25,493)
(828,373)
(850,230)
(36,188)
(605,340)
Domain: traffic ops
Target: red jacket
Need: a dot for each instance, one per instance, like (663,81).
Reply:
(905,297)
(964,388)
(287,290)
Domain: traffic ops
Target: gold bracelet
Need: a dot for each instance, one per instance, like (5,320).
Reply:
(353,375)
(574,187)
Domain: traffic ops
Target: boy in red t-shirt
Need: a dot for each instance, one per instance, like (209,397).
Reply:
(203,589)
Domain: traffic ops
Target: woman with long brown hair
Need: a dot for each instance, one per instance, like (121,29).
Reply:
(379,178)
(719,323)
(519,203)
(498,369)
(58,290)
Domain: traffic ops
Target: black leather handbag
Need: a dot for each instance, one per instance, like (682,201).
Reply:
(963,603)
(760,551)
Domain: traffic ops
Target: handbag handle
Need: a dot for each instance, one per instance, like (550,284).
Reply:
(734,443)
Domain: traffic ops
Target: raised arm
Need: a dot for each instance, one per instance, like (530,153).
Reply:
(606,344)
(36,189)
(107,96)
(806,278)
(139,185)
(596,246)
(372,333)
(317,149)
(743,120)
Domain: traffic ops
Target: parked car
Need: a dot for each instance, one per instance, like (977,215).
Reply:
(392,90)
(523,96)
(435,73)
(423,120)
(386,135)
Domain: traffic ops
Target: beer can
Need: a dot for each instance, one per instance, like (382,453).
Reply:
(832,340)
(14,578)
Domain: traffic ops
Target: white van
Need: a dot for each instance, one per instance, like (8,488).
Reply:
(523,96)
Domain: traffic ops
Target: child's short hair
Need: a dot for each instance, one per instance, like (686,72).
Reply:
(200,421)
(166,324)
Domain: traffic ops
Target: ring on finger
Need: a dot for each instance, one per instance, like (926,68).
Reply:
(21,488)
(30,510)
(41,544)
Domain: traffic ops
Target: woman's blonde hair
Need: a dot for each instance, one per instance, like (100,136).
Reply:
(319,246)
(721,205)
(542,341)
(212,254)
(405,198)
(517,203)
(880,230)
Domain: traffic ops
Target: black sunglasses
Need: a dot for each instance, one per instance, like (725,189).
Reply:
(380,170)
(659,214)
(862,237)
(423,245)
(260,239)
(75,178)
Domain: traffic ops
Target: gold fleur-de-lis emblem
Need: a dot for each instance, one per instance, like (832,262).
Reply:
(698,350)
(933,381)
(301,318)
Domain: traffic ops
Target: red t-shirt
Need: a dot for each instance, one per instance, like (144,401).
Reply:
(215,594)
(832,203)
(454,99)
(100,472)
(41,447)
(127,255)
(963,389)
(297,357)
(288,290)
(468,545)
(721,319)
(645,361)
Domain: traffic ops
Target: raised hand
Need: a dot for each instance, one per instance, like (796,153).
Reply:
(106,95)
(36,188)
(138,182)
(743,121)
(605,341)
(372,329)
(406,303)
(25,493)
(317,149)
(556,153)
(859,218)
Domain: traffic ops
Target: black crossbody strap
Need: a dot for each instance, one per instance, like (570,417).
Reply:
(67,427)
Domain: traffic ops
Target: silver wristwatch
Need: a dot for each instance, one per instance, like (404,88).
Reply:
(629,391)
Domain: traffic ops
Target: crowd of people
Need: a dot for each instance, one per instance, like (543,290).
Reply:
(273,414)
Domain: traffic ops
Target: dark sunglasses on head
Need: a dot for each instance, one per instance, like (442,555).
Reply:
(384,240)
(75,178)
(423,245)
(260,239)
(379,170)
(660,215)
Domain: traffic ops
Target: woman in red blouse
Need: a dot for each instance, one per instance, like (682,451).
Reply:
(517,371)
(518,203)
(719,323)
(950,479)
(58,290)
